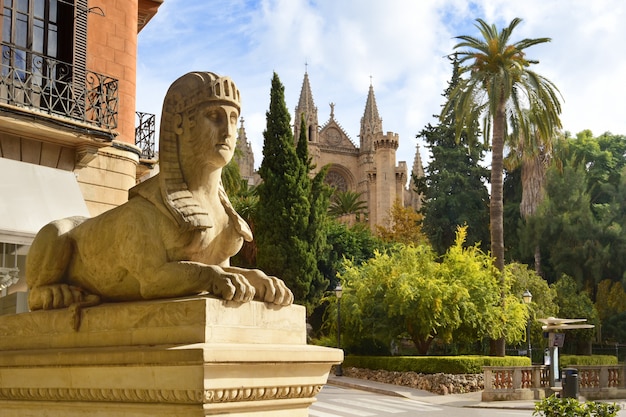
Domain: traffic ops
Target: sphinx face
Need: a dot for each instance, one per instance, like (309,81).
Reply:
(212,133)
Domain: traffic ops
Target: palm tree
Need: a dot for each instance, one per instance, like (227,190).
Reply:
(347,202)
(500,87)
(534,155)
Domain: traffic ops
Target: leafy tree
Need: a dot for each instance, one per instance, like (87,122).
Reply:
(232,181)
(610,299)
(400,292)
(567,227)
(533,154)
(246,204)
(581,222)
(453,190)
(408,291)
(403,226)
(576,304)
(356,243)
(514,226)
(614,328)
(287,211)
(604,159)
(611,306)
(543,303)
(482,315)
(498,85)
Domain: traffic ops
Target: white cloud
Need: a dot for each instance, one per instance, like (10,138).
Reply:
(401,44)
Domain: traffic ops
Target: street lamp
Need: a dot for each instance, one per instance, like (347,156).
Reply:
(528,297)
(338,293)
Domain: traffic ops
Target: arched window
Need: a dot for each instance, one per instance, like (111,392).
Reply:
(337,181)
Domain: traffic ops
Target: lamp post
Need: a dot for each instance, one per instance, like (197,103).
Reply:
(528,297)
(338,293)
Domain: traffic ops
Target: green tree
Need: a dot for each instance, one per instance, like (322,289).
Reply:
(407,290)
(232,181)
(343,203)
(399,292)
(482,315)
(576,304)
(582,220)
(287,209)
(533,154)
(610,299)
(246,204)
(499,84)
(316,234)
(453,190)
(604,159)
(356,243)
(543,303)
(403,226)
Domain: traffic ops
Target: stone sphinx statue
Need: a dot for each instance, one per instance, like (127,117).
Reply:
(175,235)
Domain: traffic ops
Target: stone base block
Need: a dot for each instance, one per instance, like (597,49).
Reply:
(196,356)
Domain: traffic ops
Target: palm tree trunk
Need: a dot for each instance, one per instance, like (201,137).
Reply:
(533,179)
(538,270)
(496,211)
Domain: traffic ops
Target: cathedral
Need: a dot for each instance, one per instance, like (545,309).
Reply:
(369,169)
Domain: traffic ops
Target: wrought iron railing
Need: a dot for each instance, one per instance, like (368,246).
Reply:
(145,135)
(42,84)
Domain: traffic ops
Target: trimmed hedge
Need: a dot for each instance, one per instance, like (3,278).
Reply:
(469,364)
(594,360)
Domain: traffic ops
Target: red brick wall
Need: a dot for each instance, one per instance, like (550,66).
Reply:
(112,50)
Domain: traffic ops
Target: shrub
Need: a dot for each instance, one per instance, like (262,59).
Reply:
(569,360)
(434,364)
(571,407)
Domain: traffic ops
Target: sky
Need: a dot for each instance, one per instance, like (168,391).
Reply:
(397,46)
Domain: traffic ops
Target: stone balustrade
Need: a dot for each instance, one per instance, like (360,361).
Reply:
(533,382)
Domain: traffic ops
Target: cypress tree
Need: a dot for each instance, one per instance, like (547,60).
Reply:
(287,218)
(317,232)
(453,188)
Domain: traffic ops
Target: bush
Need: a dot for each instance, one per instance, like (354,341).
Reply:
(434,364)
(569,360)
(571,407)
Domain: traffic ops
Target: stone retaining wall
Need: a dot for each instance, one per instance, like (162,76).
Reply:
(437,383)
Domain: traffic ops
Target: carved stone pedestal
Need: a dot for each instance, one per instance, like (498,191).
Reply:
(186,357)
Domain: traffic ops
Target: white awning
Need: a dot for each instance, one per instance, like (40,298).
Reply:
(31,196)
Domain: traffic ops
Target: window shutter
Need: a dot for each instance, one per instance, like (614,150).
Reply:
(80,53)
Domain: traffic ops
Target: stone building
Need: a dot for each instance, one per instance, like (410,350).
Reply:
(368,168)
(67,117)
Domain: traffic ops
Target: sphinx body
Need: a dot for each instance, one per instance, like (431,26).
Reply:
(175,235)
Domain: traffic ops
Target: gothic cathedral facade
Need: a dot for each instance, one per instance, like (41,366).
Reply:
(369,169)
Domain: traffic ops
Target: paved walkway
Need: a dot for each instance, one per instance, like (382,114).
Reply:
(472,399)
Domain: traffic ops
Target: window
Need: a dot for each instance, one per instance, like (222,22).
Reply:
(43,53)
(35,30)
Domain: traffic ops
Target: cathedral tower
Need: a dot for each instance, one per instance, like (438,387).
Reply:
(245,157)
(369,169)
(306,107)
(383,180)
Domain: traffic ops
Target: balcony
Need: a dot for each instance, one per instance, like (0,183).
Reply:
(38,84)
(145,135)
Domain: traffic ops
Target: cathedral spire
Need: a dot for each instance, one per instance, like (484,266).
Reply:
(371,123)
(306,107)
(305,104)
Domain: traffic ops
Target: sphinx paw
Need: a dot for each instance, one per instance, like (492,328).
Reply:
(53,296)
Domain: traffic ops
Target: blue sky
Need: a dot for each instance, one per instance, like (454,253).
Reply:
(397,45)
